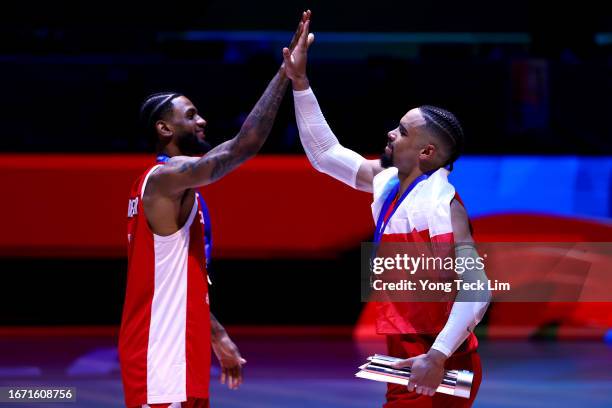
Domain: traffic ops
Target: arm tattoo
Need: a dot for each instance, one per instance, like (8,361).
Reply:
(186,166)
(253,133)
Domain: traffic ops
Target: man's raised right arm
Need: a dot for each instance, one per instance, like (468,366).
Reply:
(324,151)
(181,172)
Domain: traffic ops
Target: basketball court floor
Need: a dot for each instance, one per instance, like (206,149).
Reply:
(309,371)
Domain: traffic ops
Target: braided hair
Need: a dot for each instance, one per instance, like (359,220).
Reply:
(446,125)
(153,108)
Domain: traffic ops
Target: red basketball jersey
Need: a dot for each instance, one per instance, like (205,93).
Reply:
(415,318)
(164,341)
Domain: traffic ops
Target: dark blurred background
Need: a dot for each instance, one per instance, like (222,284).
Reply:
(530,81)
(524,80)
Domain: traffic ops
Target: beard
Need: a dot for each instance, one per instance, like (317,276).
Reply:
(190,145)
(386,160)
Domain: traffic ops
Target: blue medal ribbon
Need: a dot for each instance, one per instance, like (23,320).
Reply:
(208,241)
(381,224)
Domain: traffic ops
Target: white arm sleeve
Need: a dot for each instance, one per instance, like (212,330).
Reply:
(321,145)
(468,309)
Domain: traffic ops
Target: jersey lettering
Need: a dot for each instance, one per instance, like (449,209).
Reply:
(133,207)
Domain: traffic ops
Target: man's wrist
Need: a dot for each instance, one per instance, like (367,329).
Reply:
(217,331)
(437,356)
(217,337)
(300,84)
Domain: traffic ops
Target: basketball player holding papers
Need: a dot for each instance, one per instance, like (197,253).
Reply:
(410,187)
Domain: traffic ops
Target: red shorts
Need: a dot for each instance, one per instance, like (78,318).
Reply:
(190,403)
(405,346)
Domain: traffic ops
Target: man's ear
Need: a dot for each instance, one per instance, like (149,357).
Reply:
(428,152)
(163,129)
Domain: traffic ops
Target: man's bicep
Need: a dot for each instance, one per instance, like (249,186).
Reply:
(182,173)
(366,173)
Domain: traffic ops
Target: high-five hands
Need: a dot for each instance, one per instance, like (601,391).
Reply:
(295,58)
(298,32)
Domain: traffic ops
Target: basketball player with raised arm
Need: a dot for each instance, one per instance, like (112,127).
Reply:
(167,329)
(413,202)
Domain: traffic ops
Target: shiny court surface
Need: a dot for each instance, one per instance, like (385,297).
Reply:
(314,372)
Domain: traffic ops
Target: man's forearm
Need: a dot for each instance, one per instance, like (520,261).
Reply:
(254,130)
(468,309)
(217,331)
(252,135)
(258,123)
(323,149)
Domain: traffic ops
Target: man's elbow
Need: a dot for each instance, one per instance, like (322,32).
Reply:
(315,162)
